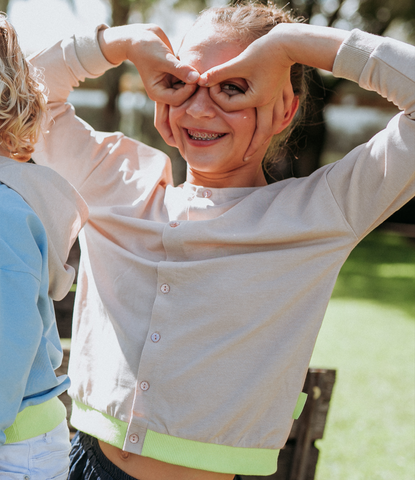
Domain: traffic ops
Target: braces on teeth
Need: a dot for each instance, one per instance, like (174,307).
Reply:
(204,136)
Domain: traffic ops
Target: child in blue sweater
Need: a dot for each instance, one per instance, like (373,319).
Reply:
(40,217)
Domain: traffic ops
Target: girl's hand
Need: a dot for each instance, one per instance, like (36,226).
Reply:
(265,65)
(148,47)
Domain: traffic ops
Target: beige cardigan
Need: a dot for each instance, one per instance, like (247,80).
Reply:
(197,308)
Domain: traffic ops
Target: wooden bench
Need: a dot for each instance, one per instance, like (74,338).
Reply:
(298,459)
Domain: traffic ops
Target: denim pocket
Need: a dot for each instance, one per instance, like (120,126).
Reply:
(50,454)
(14,461)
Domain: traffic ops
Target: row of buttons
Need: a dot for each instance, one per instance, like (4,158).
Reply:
(155,337)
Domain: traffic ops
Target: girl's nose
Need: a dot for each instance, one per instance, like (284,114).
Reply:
(200,104)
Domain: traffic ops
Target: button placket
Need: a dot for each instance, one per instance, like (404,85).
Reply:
(134,438)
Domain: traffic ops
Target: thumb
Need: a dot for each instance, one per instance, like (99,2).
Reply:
(220,73)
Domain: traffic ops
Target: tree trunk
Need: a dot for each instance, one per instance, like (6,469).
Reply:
(120,14)
(4,4)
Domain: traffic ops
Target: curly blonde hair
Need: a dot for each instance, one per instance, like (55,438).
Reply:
(22,97)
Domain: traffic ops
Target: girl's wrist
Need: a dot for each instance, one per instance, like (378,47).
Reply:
(310,45)
(114,44)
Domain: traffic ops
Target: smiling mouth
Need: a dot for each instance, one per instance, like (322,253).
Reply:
(206,137)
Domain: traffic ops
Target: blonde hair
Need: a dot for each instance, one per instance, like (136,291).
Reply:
(22,97)
(246,21)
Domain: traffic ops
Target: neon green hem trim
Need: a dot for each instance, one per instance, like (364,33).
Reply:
(36,420)
(210,456)
(175,450)
(299,407)
(98,424)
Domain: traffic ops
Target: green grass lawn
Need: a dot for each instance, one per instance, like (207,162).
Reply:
(368,336)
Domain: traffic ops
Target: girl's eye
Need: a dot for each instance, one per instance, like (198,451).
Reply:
(231,89)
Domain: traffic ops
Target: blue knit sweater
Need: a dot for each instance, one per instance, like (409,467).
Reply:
(30,349)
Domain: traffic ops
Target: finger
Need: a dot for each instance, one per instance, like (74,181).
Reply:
(231,69)
(273,118)
(234,102)
(161,34)
(264,129)
(182,71)
(162,124)
(171,96)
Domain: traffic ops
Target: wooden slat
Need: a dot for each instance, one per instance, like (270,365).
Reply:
(318,381)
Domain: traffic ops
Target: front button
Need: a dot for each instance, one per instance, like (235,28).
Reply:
(165,288)
(207,193)
(155,337)
(134,438)
(174,224)
(144,386)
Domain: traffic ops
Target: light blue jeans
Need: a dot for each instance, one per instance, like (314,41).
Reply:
(45,457)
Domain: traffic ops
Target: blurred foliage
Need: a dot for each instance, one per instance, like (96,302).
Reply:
(194,6)
(374,16)
(381,268)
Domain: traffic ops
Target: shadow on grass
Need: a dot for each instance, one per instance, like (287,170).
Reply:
(381,268)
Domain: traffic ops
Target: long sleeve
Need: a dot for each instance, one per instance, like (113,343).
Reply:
(22,268)
(377,178)
(71,146)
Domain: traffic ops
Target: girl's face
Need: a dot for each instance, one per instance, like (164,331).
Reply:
(212,141)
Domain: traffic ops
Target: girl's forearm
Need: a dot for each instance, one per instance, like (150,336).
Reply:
(309,44)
